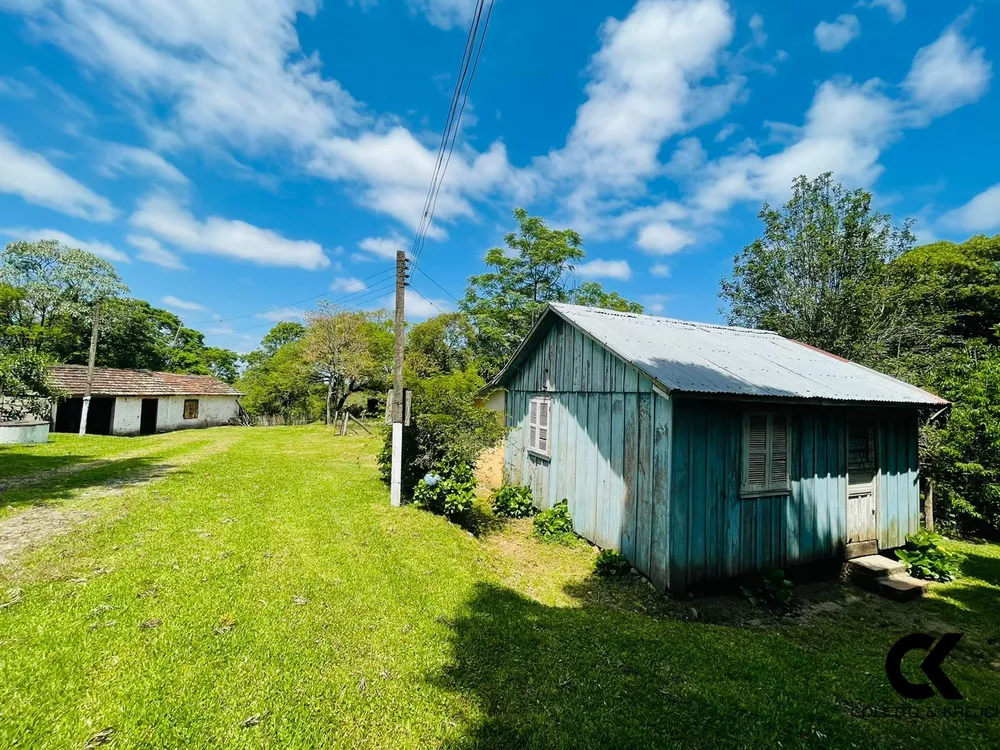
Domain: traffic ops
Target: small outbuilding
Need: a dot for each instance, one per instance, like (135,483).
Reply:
(706,452)
(142,402)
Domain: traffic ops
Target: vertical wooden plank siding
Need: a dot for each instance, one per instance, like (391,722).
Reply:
(631,450)
(644,489)
(659,478)
(660,541)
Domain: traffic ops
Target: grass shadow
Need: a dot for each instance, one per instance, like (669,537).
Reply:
(622,666)
(15,465)
(108,474)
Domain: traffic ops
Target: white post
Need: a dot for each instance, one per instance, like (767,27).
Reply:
(396,493)
(90,368)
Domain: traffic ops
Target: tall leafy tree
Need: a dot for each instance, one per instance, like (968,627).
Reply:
(349,351)
(534,269)
(279,383)
(819,273)
(440,345)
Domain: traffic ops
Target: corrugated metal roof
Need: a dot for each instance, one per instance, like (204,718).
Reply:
(702,358)
(113,382)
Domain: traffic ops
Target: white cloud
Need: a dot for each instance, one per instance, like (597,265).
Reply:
(948,73)
(661,270)
(385,247)
(833,36)
(180,304)
(895,8)
(605,269)
(348,284)
(445,14)
(725,131)
(36,180)
(981,214)
(230,238)
(645,87)
(757,29)
(656,303)
(279,314)
(153,252)
(221,76)
(15,89)
(98,248)
(663,238)
(121,158)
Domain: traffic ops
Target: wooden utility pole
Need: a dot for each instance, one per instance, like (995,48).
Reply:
(396,485)
(90,367)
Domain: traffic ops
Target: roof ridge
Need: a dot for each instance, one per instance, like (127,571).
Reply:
(663,319)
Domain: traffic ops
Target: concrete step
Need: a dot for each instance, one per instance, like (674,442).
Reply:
(901,587)
(874,566)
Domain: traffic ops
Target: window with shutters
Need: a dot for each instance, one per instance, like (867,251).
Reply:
(765,454)
(539,417)
(190,408)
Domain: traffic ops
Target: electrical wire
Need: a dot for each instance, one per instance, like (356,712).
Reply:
(435,283)
(346,285)
(379,289)
(456,129)
(470,64)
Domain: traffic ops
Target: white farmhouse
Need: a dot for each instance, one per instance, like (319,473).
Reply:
(141,402)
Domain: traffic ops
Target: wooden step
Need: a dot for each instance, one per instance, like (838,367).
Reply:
(874,566)
(901,587)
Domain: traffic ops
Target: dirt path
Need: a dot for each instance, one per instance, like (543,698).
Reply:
(39,523)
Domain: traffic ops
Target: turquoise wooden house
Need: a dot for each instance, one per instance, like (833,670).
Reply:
(706,452)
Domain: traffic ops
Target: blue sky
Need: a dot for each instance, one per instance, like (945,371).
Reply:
(237,157)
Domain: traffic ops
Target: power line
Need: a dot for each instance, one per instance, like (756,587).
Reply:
(346,285)
(439,286)
(455,130)
(379,289)
(427,299)
(470,64)
(449,121)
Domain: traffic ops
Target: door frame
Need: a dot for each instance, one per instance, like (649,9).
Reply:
(867,546)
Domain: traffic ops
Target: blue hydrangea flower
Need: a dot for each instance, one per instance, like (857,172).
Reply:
(431,480)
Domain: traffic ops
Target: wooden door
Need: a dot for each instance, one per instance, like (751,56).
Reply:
(862,481)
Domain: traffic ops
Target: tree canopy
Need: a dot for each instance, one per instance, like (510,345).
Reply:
(819,272)
(535,268)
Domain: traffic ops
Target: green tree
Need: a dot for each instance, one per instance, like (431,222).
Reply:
(447,423)
(962,451)
(25,385)
(279,384)
(55,283)
(592,294)
(534,269)
(348,351)
(819,274)
(440,345)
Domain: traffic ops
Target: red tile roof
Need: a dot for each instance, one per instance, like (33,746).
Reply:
(112,382)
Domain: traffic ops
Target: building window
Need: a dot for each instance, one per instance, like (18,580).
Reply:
(190,408)
(539,416)
(765,454)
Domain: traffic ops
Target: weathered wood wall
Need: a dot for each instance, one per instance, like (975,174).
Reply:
(658,478)
(610,445)
(716,534)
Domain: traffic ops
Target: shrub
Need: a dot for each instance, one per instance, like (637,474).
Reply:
(770,588)
(446,422)
(611,564)
(925,558)
(449,489)
(511,501)
(555,524)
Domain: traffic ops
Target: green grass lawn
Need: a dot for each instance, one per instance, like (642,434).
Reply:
(252,587)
